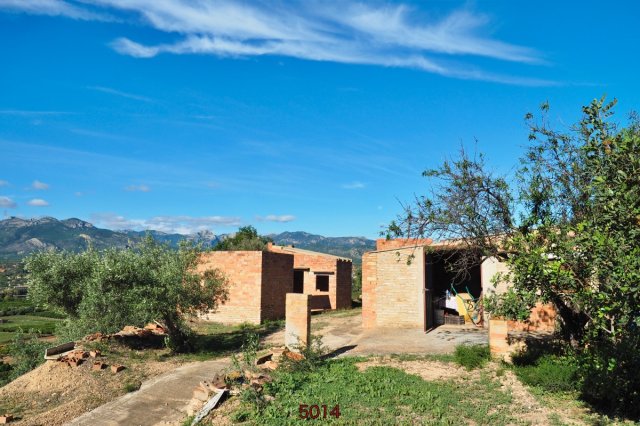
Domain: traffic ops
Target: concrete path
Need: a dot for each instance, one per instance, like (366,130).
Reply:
(160,401)
(441,340)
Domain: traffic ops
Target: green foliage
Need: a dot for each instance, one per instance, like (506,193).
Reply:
(27,352)
(550,373)
(132,386)
(379,395)
(314,356)
(106,290)
(246,238)
(472,356)
(356,282)
(510,305)
(249,353)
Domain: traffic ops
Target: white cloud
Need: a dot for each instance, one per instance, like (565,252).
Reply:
(52,8)
(276,218)
(8,203)
(41,186)
(120,93)
(4,183)
(38,202)
(169,224)
(345,32)
(353,185)
(137,188)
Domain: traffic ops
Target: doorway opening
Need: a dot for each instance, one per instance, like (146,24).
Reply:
(298,280)
(450,296)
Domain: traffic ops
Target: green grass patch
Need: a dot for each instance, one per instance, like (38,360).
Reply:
(338,313)
(25,322)
(425,357)
(550,373)
(472,356)
(380,395)
(214,339)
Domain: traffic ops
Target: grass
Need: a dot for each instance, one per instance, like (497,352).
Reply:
(472,356)
(381,395)
(215,340)
(15,322)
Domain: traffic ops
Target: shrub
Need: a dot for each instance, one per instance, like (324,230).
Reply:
(27,352)
(550,373)
(472,356)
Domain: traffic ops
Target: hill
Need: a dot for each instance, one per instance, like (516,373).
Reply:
(352,247)
(19,237)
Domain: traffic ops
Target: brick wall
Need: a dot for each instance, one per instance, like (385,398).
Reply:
(384,244)
(339,294)
(277,281)
(369,284)
(542,319)
(244,271)
(398,298)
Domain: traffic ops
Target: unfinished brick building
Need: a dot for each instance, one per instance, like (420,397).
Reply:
(259,283)
(326,277)
(398,293)
(260,280)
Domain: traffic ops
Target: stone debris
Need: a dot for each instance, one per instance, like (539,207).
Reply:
(95,353)
(74,358)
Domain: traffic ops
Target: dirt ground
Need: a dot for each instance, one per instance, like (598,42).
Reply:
(55,393)
(342,331)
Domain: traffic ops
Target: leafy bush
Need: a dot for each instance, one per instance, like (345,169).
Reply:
(510,305)
(314,356)
(550,373)
(27,352)
(472,356)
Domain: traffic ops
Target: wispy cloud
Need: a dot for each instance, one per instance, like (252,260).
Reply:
(169,224)
(4,183)
(8,203)
(38,202)
(353,185)
(55,8)
(120,93)
(30,113)
(137,188)
(349,32)
(276,218)
(40,186)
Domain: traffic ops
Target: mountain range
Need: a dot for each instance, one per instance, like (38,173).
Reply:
(19,237)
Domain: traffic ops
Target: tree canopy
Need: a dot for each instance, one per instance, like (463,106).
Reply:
(568,226)
(106,290)
(246,238)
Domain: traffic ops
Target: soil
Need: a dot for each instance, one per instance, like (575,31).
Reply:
(55,393)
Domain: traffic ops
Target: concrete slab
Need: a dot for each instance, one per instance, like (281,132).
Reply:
(160,401)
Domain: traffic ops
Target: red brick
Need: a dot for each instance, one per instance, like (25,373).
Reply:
(117,368)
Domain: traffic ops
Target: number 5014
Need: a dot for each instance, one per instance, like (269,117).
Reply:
(307,411)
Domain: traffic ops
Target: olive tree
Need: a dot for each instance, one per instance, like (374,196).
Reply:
(106,290)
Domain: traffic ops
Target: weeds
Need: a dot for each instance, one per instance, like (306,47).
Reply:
(472,356)
(549,372)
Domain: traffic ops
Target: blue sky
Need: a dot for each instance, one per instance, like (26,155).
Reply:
(287,115)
